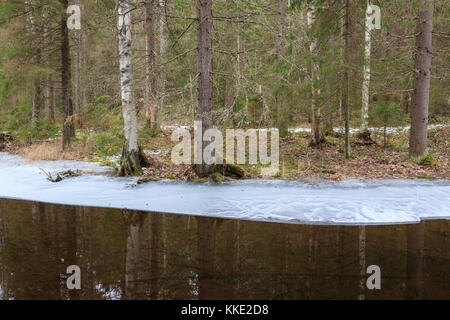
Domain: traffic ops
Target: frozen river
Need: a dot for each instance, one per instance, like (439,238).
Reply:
(304,202)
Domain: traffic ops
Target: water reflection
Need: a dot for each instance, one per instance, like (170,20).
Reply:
(139,255)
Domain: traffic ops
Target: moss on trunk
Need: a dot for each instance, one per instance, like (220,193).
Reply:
(132,163)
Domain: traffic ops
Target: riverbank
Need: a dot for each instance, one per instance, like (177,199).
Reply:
(298,160)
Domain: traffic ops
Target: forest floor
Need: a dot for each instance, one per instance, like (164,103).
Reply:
(298,159)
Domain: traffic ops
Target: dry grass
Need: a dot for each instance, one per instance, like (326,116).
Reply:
(51,151)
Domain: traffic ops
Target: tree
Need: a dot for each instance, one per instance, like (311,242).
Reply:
(345,95)
(316,131)
(78,85)
(386,114)
(66,80)
(366,72)
(133,158)
(281,101)
(150,63)
(205,78)
(421,84)
(34,32)
(230,86)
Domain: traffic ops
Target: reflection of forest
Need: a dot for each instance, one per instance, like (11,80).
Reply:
(138,255)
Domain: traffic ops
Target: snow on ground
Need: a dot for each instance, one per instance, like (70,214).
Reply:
(320,202)
(336,129)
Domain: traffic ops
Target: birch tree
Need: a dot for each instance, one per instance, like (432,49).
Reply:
(421,84)
(366,72)
(133,159)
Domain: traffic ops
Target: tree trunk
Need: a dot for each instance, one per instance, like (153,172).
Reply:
(229,81)
(150,76)
(366,75)
(66,77)
(205,78)
(422,75)
(37,99)
(37,89)
(345,93)
(84,52)
(341,63)
(162,54)
(133,159)
(316,131)
(51,102)
(78,89)
(282,110)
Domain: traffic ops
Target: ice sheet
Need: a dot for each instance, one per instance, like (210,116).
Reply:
(318,202)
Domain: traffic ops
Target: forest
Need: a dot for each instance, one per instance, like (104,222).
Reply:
(355,88)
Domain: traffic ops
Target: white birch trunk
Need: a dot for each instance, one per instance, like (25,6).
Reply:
(126,77)
(366,71)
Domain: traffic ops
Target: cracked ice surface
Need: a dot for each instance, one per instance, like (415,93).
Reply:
(384,201)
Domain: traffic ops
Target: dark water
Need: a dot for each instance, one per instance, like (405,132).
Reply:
(141,255)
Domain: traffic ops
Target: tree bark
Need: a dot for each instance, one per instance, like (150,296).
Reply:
(205,78)
(133,159)
(422,75)
(66,77)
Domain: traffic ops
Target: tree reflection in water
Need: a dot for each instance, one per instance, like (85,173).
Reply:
(144,255)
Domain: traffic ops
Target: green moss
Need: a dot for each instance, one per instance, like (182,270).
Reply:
(330,171)
(423,177)
(147,179)
(171,177)
(109,163)
(426,160)
(217,177)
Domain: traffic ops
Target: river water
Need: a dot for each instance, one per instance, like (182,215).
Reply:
(127,254)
